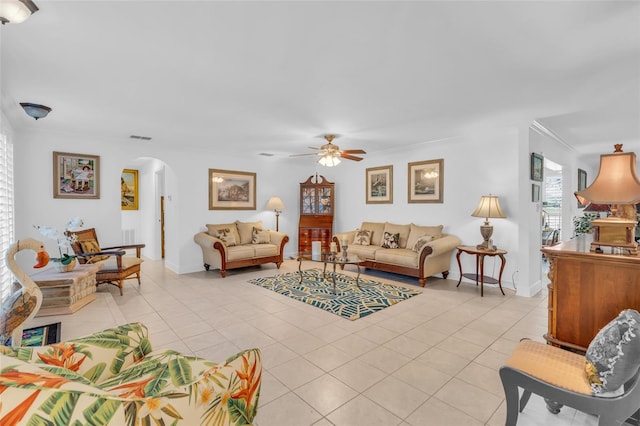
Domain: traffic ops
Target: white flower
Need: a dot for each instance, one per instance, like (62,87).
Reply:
(63,239)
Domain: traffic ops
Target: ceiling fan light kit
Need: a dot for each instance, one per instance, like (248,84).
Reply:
(331,154)
(16,11)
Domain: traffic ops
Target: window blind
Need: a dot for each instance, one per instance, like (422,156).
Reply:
(7,224)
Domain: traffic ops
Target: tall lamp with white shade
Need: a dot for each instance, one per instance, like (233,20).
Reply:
(275,204)
(489,207)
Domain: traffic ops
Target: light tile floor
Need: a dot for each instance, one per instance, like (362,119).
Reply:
(429,360)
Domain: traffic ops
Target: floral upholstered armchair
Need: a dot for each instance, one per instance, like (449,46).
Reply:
(114,377)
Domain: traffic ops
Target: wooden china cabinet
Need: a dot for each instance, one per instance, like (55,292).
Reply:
(316,213)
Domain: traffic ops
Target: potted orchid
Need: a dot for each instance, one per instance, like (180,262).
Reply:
(66,262)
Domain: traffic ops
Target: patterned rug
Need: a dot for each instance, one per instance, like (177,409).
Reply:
(349,302)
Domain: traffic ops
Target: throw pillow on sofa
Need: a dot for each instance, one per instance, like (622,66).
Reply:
(226,236)
(417,232)
(259,236)
(391,241)
(213,228)
(245,229)
(422,241)
(362,237)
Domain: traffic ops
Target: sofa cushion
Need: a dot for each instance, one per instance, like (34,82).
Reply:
(403,230)
(245,229)
(260,236)
(264,250)
(362,237)
(212,228)
(403,257)
(416,232)
(613,356)
(244,251)
(422,241)
(226,236)
(376,228)
(390,241)
(364,252)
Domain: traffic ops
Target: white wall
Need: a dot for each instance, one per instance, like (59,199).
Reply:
(490,161)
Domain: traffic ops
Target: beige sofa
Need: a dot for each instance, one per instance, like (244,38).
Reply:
(416,251)
(239,244)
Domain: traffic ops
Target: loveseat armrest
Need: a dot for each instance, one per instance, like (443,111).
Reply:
(442,245)
(207,242)
(278,238)
(97,356)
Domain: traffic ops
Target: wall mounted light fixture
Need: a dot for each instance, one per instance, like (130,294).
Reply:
(16,11)
(34,110)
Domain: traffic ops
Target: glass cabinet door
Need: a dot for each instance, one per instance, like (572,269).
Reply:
(308,201)
(324,204)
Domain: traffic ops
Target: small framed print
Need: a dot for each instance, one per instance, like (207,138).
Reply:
(380,185)
(535,192)
(76,175)
(537,164)
(426,181)
(582,184)
(232,190)
(129,190)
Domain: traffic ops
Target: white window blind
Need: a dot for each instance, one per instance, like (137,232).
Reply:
(7,224)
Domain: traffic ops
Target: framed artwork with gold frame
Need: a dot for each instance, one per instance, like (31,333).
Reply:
(380,185)
(129,189)
(426,181)
(232,190)
(76,175)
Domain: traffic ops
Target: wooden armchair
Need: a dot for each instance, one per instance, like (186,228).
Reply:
(117,266)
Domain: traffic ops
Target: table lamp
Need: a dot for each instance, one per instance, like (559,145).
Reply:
(489,207)
(616,185)
(275,204)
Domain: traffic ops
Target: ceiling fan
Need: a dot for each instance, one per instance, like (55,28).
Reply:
(331,154)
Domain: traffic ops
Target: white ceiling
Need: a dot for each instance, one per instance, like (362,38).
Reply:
(270,76)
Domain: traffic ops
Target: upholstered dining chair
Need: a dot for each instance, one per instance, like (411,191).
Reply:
(604,382)
(118,266)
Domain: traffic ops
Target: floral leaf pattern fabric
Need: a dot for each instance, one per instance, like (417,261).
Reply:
(391,241)
(362,237)
(113,377)
(613,356)
(226,236)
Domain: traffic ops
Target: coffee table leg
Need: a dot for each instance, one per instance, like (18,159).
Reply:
(334,277)
(300,269)
(358,276)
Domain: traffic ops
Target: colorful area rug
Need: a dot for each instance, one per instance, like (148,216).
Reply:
(349,302)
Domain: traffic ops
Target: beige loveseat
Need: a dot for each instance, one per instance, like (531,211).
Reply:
(239,244)
(416,251)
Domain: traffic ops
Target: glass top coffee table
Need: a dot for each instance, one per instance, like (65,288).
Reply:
(329,259)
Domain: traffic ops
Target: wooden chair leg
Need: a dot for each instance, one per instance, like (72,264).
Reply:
(138,276)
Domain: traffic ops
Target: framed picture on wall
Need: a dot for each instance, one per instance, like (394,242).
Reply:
(535,192)
(380,185)
(537,167)
(582,184)
(76,175)
(426,181)
(232,190)
(129,189)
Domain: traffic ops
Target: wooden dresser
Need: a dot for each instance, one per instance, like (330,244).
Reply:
(316,213)
(587,290)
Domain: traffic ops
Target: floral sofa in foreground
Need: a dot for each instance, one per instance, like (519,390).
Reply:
(413,250)
(114,377)
(240,244)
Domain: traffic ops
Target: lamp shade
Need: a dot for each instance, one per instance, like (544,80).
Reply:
(597,208)
(275,204)
(489,207)
(616,183)
(16,11)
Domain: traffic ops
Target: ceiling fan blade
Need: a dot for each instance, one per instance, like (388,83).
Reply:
(313,147)
(350,157)
(302,155)
(353,151)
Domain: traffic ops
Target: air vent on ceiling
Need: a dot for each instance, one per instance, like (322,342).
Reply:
(142,138)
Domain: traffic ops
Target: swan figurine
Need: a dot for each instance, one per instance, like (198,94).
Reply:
(22,305)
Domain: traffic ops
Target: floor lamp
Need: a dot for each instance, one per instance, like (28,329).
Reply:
(276,204)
